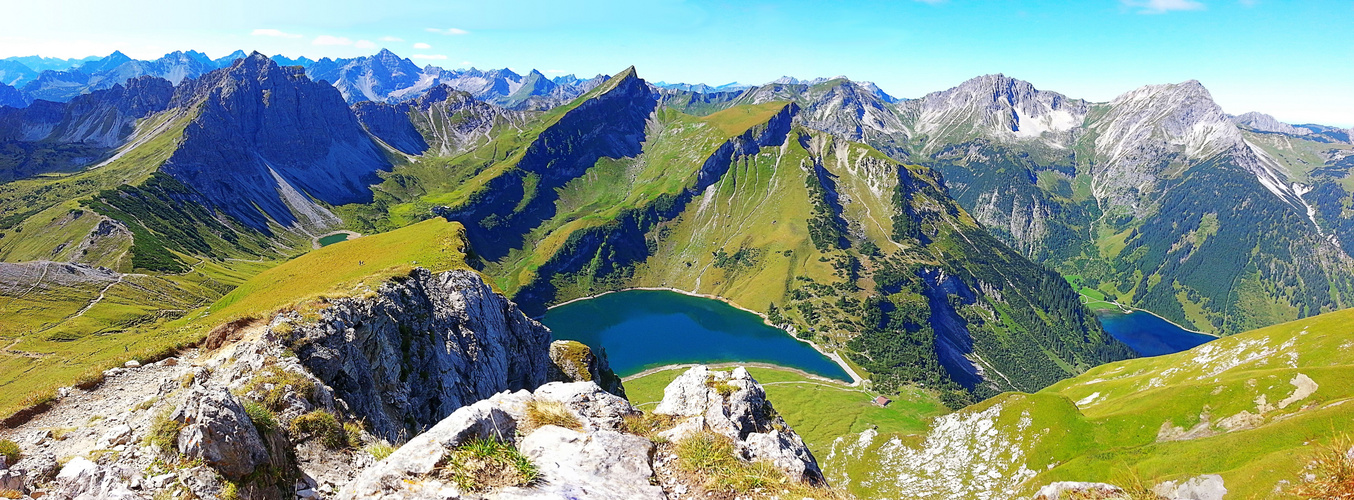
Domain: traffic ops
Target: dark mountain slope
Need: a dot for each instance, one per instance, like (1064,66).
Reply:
(268,143)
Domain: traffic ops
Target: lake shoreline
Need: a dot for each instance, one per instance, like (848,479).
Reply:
(735,364)
(352,235)
(1123,309)
(856,379)
(1131,310)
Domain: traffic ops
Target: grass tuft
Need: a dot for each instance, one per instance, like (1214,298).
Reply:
(542,413)
(261,416)
(1330,475)
(723,387)
(323,425)
(482,464)
(352,433)
(9,450)
(711,460)
(273,384)
(380,450)
(164,433)
(647,425)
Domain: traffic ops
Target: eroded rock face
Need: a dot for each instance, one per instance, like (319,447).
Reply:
(422,347)
(217,430)
(1070,489)
(734,404)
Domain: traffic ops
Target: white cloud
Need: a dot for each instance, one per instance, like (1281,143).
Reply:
(448,31)
(331,40)
(554,71)
(391,39)
(1163,6)
(364,44)
(427,56)
(273,32)
(465,63)
(421,45)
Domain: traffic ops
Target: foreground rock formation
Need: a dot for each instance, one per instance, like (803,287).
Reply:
(308,406)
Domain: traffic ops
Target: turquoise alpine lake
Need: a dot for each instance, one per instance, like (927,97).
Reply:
(1149,335)
(642,329)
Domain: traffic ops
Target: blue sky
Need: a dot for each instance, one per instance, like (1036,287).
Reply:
(1293,59)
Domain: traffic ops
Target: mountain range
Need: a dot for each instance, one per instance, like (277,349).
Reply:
(943,245)
(380,77)
(1132,196)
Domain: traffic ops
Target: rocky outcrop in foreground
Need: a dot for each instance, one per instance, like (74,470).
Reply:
(220,437)
(308,406)
(595,445)
(1206,487)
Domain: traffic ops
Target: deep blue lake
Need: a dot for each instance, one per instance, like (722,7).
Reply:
(1149,335)
(642,329)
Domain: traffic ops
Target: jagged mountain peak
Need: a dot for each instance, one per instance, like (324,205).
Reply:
(628,72)
(438,93)
(230,58)
(1262,122)
(996,106)
(1181,114)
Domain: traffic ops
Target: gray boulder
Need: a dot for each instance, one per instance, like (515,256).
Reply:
(1206,487)
(406,473)
(596,408)
(37,468)
(598,465)
(82,479)
(217,430)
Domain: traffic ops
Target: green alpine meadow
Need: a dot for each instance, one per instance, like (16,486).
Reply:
(362,270)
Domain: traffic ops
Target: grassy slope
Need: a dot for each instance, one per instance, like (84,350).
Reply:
(39,204)
(676,147)
(1128,403)
(340,269)
(818,411)
(345,268)
(1104,424)
(408,193)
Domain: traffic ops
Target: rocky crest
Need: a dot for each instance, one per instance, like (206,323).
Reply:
(422,347)
(992,106)
(250,419)
(368,78)
(104,119)
(1261,122)
(286,139)
(441,122)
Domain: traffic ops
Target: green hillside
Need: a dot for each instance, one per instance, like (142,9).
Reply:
(828,237)
(1251,407)
(39,360)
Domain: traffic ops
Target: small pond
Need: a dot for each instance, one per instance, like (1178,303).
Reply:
(332,239)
